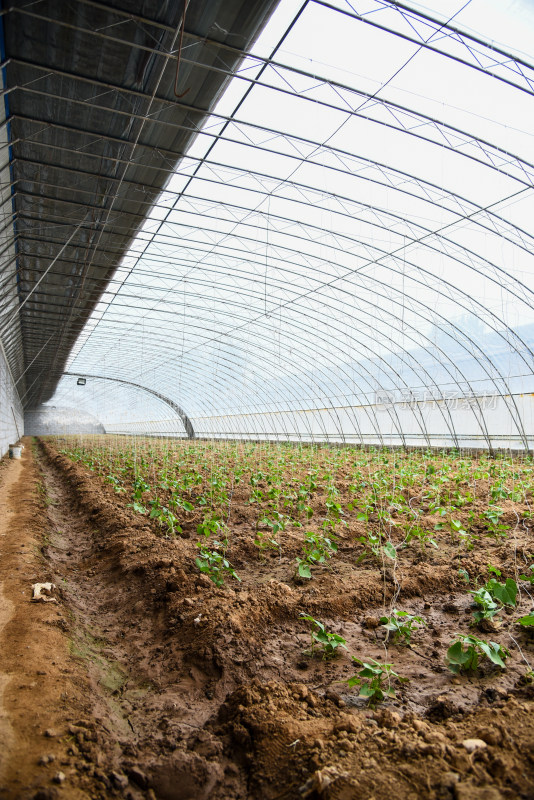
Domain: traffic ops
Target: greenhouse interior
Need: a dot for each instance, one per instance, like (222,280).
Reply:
(267,400)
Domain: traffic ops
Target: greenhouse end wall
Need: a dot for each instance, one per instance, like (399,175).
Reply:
(11,417)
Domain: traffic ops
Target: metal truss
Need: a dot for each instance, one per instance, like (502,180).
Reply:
(259,270)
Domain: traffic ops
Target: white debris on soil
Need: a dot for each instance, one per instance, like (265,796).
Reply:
(42,593)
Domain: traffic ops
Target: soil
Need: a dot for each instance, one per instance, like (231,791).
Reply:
(144,680)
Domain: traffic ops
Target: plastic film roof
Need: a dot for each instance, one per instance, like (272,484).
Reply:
(100,100)
(345,250)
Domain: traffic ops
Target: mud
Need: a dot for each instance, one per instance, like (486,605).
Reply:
(157,684)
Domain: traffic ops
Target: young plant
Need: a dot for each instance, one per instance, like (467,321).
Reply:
(164,517)
(371,540)
(139,508)
(316,550)
(275,521)
(328,642)
(487,606)
(212,524)
(402,625)
(529,577)
(465,653)
(464,575)
(215,565)
(492,517)
(493,596)
(139,488)
(266,541)
(374,680)
(423,537)
(505,593)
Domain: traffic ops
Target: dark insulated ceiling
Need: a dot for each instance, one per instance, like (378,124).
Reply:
(100,102)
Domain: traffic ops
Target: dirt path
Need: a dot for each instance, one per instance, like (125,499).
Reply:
(37,674)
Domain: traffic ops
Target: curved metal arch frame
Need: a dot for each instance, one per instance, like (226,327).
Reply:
(497,152)
(412,278)
(393,254)
(479,419)
(511,62)
(176,408)
(339,153)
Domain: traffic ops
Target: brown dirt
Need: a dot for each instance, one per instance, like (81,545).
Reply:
(157,684)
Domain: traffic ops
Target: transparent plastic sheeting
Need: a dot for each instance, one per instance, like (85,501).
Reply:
(346,251)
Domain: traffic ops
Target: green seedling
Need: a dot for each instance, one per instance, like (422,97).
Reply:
(505,593)
(372,540)
(498,492)
(116,483)
(493,596)
(139,508)
(527,621)
(316,550)
(423,537)
(487,606)
(211,525)
(492,517)
(464,575)
(402,625)
(276,522)
(466,652)
(164,516)
(374,680)
(529,577)
(215,565)
(320,637)
(389,551)
(265,541)
(176,501)
(140,487)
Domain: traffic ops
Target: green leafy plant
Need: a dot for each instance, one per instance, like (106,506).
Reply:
(529,577)
(215,564)
(527,621)
(465,653)
(177,501)
(275,521)
(139,508)
(374,680)
(487,606)
(316,550)
(390,551)
(464,575)
(423,537)
(492,517)
(505,593)
(212,524)
(493,596)
(140,486)
(328,642)
(164,516)
(266,541)
(372,540)
(402,625)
